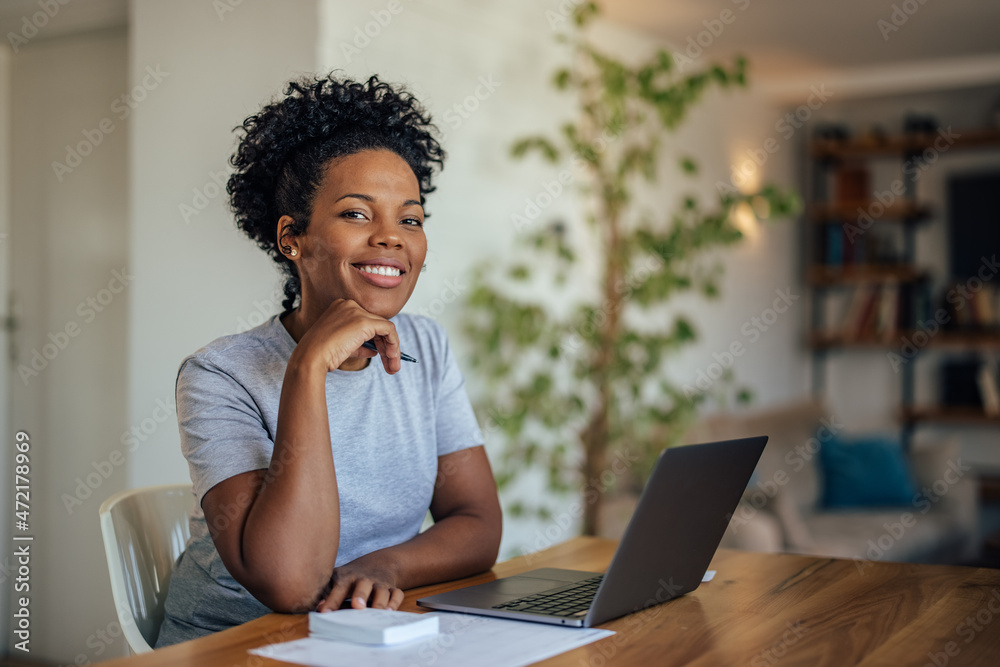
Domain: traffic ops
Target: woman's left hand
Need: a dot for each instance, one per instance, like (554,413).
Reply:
(368,581)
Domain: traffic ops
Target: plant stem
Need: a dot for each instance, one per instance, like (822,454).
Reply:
(597,434)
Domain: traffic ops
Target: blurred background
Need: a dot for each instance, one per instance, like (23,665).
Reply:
(868,320)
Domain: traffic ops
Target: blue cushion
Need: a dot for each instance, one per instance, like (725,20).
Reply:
(865,472)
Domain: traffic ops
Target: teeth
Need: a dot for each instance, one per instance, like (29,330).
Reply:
(380,270)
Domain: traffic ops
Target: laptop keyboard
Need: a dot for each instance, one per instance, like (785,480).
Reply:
(572,600)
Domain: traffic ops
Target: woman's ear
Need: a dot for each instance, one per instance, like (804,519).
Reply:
(287,240)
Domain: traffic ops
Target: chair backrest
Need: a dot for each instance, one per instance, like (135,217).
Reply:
(144,531)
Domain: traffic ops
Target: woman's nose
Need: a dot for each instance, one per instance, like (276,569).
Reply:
(386,235)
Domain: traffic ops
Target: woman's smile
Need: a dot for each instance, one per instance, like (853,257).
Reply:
(385,273)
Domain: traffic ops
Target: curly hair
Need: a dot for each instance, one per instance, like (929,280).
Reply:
(285,149)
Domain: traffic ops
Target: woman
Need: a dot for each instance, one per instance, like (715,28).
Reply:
(313,465)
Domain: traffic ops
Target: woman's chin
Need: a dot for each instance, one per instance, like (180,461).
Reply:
(384,303)
(387,308)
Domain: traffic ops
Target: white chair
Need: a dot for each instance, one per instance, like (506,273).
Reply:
(144,531)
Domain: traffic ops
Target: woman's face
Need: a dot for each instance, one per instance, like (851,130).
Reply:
(365,240)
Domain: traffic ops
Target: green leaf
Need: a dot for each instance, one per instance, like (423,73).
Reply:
(561,79)
(520,272)
(684,330)
(664,61)
(540,144)
(584,13)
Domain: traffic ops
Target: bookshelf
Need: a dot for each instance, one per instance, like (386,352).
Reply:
(869,292)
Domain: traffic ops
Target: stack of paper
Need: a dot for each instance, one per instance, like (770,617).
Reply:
(371,626)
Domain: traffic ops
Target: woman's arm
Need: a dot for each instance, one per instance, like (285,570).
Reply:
(278,530)
(464,539)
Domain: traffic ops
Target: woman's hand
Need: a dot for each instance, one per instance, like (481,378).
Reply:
(369,581)
(339,333)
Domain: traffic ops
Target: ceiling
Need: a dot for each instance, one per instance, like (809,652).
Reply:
(790,43)
(786,39)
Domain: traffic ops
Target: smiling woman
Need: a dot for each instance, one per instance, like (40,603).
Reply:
(313,468)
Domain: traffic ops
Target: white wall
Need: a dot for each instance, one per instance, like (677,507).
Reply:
(196,278)
(73,235)
(68,237)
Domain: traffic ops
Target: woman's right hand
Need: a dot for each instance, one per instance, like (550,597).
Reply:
(339,333)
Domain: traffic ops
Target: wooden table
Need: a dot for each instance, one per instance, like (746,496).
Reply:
(760,610)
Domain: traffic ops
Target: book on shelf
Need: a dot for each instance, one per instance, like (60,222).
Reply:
(888,311)
(983,316)
(865,323)
(873,312)
(852,183)
(834,245)
(988,390)
(973,310)
(843,248)
(855,306)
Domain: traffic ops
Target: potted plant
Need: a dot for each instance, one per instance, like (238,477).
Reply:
(581,394)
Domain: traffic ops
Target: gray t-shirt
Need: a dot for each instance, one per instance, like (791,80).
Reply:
(387,432)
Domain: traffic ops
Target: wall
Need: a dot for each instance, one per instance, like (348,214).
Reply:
(197,277)
(68,239)
(156,280)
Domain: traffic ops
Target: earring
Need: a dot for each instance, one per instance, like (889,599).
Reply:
(293,252)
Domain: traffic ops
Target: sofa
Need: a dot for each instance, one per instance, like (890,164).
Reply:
(782,509)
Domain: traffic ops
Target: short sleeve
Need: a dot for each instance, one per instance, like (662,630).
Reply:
(222,431)
(456,424)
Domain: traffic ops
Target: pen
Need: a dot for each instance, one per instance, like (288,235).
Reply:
(402,355)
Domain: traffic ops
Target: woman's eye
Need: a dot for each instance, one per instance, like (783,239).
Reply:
(354,215)
(415,222)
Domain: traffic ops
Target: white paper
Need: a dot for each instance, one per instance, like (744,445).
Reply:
(464,640)
(709,575)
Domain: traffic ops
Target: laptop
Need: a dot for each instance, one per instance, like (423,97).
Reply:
(664,553)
